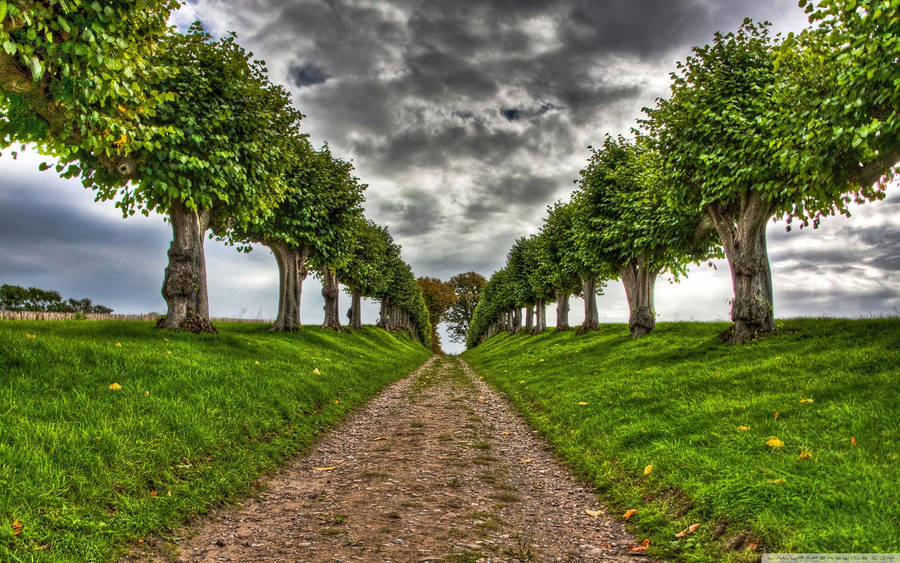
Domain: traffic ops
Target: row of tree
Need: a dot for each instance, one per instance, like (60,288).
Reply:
(17,298)
(192,127)
(755,129)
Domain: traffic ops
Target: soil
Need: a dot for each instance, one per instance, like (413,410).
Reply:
(438,467)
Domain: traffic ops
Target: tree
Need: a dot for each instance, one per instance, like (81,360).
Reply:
(558,267)
(467,286)
(628,225)
(439,297)
(18,298)
(365,274)
(718,154)
(747,135)
(402,302)
(76,76)
(837,104)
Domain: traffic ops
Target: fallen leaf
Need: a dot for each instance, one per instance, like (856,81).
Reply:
(337,401)
(594,513)
(806,400)
(777,414)
(122,108)
(752,546)
(744,428)
(506,432)
(168,352)
(118,344)
(29,335)
(526,459)
(852,442)
(718,373)
(379,438)
(682,533)
(16,527)
(582,402)
(325,468)
(693,528)
(153,493)
(522,382)
(775,481)
(774,442)
(256,362)
(115,386)
(629,513)
(805,455)
(146,393)
(640,548)
(648,469)
(316,371)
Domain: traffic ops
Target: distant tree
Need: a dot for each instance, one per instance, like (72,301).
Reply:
(439,297)
(467,287)
(558,267)
(18,298)
(366,273)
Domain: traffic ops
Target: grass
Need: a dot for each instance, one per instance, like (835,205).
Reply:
(84,468)
(676,399)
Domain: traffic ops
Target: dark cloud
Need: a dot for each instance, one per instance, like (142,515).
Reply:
(415,212)
(307,74)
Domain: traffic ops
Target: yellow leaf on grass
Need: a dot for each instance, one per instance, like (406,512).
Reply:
(693,528)
(852,442)
(168,352)
(316,371)
(774,442)
(775,481)
(629,513)
(115,386)
(118,344)
(256,362)
(806,400)
(805,455)
(582,402)
(777,414)
(146,393)
(29,335)
(16,527)
(648,469)
(325,468)
(744,428)
(594,513)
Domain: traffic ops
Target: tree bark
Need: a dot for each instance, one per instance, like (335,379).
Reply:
(540,308)
(562,311)
(516,324)
(589,292)
(529,319)
(184,286)
(743,235)
(639,279)
(356,310)
(291,274)
(331,292)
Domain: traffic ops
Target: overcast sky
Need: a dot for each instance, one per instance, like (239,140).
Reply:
(466,118)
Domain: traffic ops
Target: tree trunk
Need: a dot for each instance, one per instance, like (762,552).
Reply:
(540,308)
(356,310)
(589,292)
(743,235)
(516,324)
(383,314)
(529,319)
(291,274)
(331,292)
(639,279)
(184,286)
(562,311)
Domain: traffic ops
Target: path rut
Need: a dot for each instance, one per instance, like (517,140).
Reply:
(436,468)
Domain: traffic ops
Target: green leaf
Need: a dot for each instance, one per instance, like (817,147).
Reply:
(10,47)
(37,71)
(3,9)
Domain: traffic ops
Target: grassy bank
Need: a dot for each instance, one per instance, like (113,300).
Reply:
(791,443)
(112,430)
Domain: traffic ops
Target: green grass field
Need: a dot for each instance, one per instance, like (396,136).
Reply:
(197,419)
(701,413)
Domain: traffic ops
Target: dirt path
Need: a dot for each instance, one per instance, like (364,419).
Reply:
(436,468)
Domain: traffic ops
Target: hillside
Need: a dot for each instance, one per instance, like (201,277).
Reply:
(790,443)
(112,430)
